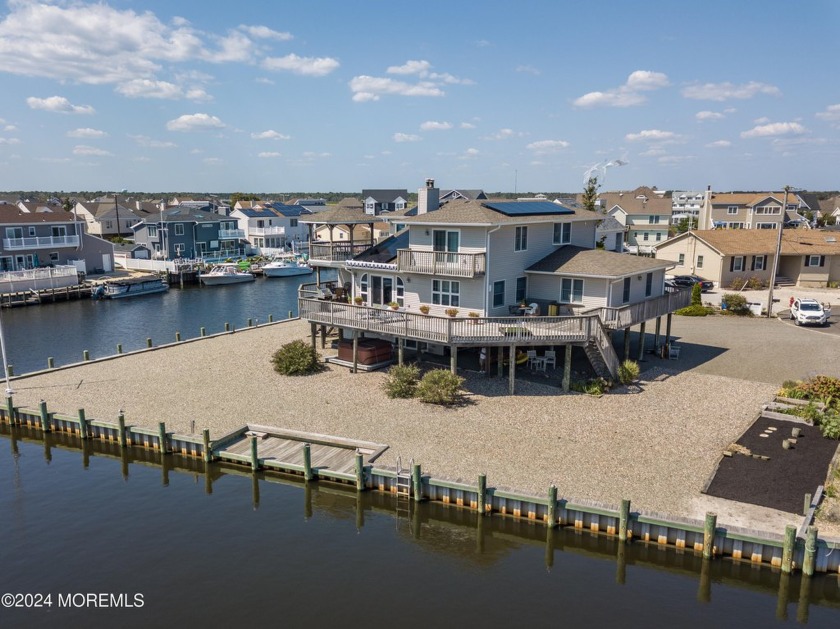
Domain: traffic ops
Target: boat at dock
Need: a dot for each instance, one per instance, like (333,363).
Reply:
(227,273)
(287,266)
(130,287)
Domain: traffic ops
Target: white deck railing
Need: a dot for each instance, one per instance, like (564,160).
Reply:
(40,242)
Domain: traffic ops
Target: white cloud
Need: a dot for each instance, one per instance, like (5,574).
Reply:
(306,66)
(10,127)
(269,154)
(467,125)
(470,153)
(263,32)
(651,135)
(626,95)
(81,149)
(774,129)
(195,122)
(263,80)
(9,141)
(728,91)
(762,120)
(831,113)
(526,69)
(86,133)
(502,134)
(674,159)
(709,115)
(406,137)
(434,125)
(719,144)
(271,134)
(147,142)
(58,104)
(146,88)
(410,67)
(547,146)
(213,161)
(368,88)
(315,154)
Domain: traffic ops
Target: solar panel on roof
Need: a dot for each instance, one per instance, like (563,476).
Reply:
(528,208)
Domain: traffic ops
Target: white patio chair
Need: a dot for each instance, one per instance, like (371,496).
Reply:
(550,358)
(532,356)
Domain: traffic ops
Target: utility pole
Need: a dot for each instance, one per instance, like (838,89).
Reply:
(117,208)
(778,254)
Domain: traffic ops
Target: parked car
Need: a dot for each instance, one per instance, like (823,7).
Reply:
(809,312)
(691,280)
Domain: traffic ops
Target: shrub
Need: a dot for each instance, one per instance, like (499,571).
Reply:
(440,386)
(696,295)
(830,425)
(596,386)
(694,310)
(826,389)
(736,304)
(402,381)
(791,389)
(755,283)
(296,359)
(628,371)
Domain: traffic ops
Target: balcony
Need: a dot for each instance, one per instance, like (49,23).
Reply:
(441,263)
(626,316)
(40,242)
(230,234)
(267,231)
(336,251)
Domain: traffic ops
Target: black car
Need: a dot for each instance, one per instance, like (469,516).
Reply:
(691,280)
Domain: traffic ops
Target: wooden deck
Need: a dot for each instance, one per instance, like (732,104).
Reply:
(327,452)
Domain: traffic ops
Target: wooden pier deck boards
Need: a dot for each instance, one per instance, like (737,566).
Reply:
(332,453)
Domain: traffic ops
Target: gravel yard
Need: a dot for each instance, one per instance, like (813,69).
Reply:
(656,444)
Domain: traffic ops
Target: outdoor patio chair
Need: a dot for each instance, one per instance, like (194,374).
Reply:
(550,359)
(532,355)
(533,310)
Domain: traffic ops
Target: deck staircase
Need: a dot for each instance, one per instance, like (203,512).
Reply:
(596,359)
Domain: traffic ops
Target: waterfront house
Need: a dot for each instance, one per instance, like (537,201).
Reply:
(271,227)
(750,210)
(379,201)
(107,218)
(34,240)
(488,274)
(730,257)
(645,215)
(184,232)
(467,195)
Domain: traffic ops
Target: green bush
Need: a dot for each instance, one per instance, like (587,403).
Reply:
(825,389)
(402,381)
(628,371)
(791,389)
(440,386)
(296,359)
(694,310)
(596,386)
(830,425)
(736,304)
(696,295)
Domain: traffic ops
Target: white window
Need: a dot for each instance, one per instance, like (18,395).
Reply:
(109,224)
(767,209)
(681,260)
(571,291)
(813,260)
(645,236)
(562,233)
(520,242)
(31,231)
(699,262)
(521,288)
(737,264)
(759,262)
(152,231)
(179,249)
(732,209)
(446,293)
(179,229)
(658,236)
(498,293)
(53,256)
(653,219)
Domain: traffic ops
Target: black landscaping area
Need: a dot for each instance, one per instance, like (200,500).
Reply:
(782,482)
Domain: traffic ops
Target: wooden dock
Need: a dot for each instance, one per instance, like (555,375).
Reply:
(35,297)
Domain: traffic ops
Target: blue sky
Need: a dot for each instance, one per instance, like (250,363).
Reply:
(337,95)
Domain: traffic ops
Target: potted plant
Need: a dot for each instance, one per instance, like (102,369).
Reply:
(393,305)
(424,309)
(474,316)
(359,300)
(452,312)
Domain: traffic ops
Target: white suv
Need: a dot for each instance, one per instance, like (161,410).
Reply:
(809,312)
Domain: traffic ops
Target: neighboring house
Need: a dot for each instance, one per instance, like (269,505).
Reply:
(270,228)
(39,239)
(645,214)
(313,205)
(749,210)
(466,195)
(379,201)
(487,257)
(33,207)
(611,233)
(830,208)
(181,232)
(686,204)
(809,258)
(106,218)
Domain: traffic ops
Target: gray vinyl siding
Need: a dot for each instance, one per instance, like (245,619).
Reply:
(583,234)
(92,251)
(471,239)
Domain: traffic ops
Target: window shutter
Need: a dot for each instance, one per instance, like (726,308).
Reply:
(822,260)
(732,264)
(752,264)
(807,260)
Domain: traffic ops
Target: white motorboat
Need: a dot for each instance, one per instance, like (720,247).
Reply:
(287,266)
(228,273)
(117,289)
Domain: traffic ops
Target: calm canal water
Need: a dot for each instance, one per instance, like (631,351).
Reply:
(199,551)
(65,329)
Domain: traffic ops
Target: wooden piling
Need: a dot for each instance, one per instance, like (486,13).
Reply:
(481,503)
(511,369)
(45,417)
(227,326)
(709,528)
(250,323)
(552,506)
(83,428)
(290,314)
(148,342)
(208,454)
(121,434)
(10,410)
(567,369)
(806,504)
(360,472)
(162,437)
(623,519)
(417,482)
(307,462)
(50,362)
(271,318)
(203,331)
(177,337)
(119,348)
(85,355)
(642,341)
(453,359)
(10,371)
(810,551)
(788,548)
(355,350)
(255,460)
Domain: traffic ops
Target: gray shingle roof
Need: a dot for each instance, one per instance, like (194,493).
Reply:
(572,260)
